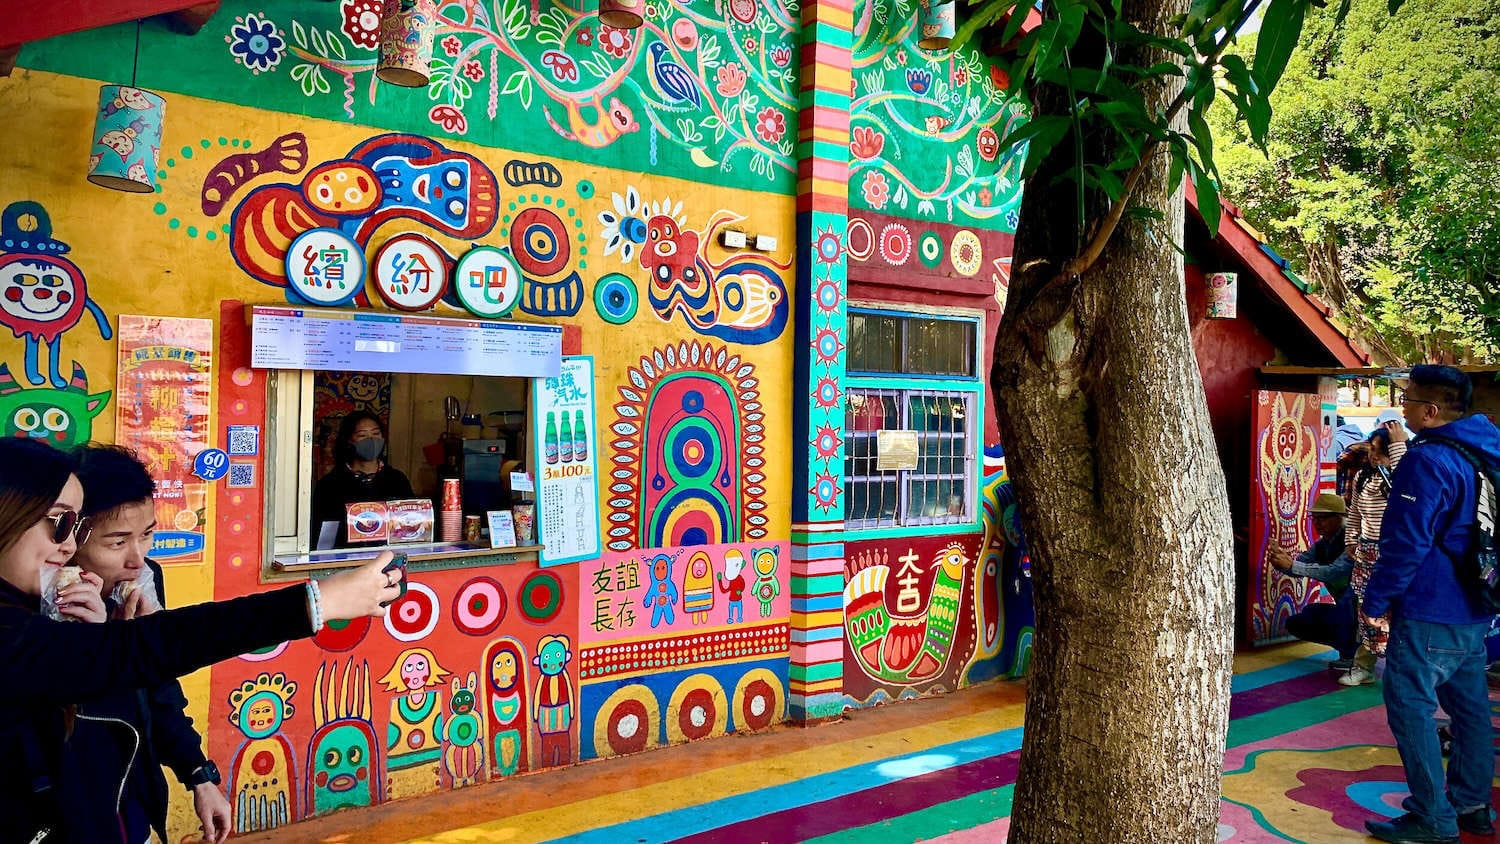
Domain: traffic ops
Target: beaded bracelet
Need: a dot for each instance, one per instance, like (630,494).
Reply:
(315,605)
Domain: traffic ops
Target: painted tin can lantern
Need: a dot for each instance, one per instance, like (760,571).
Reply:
(1222,288)
(406,32)
(622,14)
(127,139)
(938,22)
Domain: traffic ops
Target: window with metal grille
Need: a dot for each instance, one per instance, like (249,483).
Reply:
(915,377)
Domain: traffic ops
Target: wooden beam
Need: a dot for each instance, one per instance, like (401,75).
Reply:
(8,58)
(189,21)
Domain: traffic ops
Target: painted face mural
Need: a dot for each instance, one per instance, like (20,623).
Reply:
(343,759)
(553,709)
(506,706)
(62,418)
(42,294)
(263,779)
(413,739)
(463,755)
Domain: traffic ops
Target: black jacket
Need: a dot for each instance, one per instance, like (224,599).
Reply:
(58,669)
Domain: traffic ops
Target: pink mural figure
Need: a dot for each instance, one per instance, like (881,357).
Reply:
(698,587)
(506,703)
(414,736)
(553,709)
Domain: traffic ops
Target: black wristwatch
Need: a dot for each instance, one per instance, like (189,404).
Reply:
(205,773)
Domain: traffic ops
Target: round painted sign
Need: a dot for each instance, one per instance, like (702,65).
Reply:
(487,281)
(325,267)
(410,272)
(211,464)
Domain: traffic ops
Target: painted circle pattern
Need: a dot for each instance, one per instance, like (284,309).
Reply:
(616,299)
(539,241)
(487,282)
(541,597)
(966,253)
(410,272)
(895,244)
(309,259)
(698,709)
(757,706)
(859,241)
(414,615)
(340,636)
(930,249)
(265,654)
(479,606)
(628,721)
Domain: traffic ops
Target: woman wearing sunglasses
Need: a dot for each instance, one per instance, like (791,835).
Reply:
(54,667)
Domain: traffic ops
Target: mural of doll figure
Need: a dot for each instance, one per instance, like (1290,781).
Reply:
(463,753)
(732,583)
(553,709)
(506,704)
(661,594)
(698,587)
(262,782)
(343,757)
(414,738)
(766,587)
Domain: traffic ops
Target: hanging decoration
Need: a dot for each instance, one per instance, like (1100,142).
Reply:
(1222,295)
(938,20)
(127,134)
(622,14)
(406,32)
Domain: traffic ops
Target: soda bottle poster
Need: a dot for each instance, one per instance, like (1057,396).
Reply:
(165,393)
(567,487)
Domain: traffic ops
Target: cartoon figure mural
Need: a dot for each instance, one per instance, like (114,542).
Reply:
(343,761)
(1286,451)
(62,417)
(262,784)
(766,587)
(553,708)
(661,593)
(463,754)
(414,737)
(698,587)
(506,706)
(42,294)
(387,177)
(732,583)
(908,643)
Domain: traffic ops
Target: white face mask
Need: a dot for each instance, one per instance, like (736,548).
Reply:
(369,449)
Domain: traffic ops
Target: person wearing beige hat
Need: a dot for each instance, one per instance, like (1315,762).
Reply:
(1336,624)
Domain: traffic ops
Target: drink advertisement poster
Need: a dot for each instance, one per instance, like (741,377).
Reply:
(567,480)
(162,414)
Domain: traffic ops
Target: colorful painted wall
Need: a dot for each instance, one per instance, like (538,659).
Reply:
(543,134)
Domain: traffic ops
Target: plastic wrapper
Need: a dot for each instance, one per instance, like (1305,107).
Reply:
(145,584)
(54,580)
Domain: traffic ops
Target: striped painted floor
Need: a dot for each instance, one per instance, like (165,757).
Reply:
(1308,760)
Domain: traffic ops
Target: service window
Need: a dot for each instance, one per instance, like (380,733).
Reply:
(912,419)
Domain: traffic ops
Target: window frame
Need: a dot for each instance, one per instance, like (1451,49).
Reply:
(904,387)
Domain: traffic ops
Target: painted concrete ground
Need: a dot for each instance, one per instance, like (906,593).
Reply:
(1308,760)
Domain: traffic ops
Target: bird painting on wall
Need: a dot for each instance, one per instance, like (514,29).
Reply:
(670,79)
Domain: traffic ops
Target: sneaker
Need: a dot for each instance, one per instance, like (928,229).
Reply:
(1357,675)
(1476,821)
(1407,829)
(1341,664)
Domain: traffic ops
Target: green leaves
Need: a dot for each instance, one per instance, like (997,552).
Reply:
(1279,30)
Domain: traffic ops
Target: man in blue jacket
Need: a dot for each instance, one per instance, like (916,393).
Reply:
(1436,653)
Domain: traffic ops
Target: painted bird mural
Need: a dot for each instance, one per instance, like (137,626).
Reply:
(907,644)
(670,79)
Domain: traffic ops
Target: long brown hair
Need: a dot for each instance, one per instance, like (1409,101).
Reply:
(32,475)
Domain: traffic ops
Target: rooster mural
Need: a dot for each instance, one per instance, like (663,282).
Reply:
(907,643)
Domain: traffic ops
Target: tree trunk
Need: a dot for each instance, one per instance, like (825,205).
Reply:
(1107,437)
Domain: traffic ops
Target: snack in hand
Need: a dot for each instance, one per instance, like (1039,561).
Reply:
(67,576)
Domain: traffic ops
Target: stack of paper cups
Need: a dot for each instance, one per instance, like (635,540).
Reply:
(453,511)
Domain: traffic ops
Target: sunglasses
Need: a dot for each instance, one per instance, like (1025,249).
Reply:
(68,522)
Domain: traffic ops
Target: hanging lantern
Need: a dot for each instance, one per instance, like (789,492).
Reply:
(406,32)
(1222,295)
(127,138)
(938,22)
(622,14)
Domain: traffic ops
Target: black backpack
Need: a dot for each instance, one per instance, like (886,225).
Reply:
(1479,568)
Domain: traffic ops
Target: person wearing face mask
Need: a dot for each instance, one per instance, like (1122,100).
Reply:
(361,474)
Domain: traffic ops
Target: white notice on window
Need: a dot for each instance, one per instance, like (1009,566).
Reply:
(896,451)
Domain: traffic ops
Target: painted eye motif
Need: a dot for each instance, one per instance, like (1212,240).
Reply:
(456,207)
(355,755)
(27,420)
(332,758)
(55,419)
(27,280)
(52,281)
(453,178)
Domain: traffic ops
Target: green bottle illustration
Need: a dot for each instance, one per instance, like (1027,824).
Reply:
(580,437)
(549,446)
(565,439)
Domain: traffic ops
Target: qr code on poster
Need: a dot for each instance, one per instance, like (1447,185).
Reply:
(241,475)
(244,440)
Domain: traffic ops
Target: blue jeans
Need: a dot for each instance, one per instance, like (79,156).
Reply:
(1428,664)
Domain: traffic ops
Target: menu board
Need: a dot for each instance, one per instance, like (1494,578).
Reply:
(367,341)
(567,478)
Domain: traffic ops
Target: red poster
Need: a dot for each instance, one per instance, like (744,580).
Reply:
(1284,482)
(165,393)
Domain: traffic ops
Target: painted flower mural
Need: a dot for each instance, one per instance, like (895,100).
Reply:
(866,143)
(362,22)
(255,43)
(770,124)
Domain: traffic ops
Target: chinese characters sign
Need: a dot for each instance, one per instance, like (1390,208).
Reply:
(325,267)
(162,413)
(567,478)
